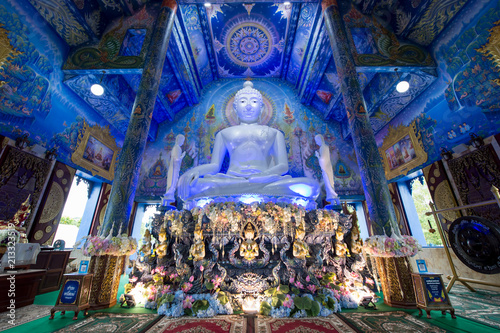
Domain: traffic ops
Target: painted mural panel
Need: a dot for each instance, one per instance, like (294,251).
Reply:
(192,23)
(307,17)
(282,110)
(252,42)
(465,98)
(34,101)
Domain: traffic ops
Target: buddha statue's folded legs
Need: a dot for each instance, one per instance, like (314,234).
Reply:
(227,185)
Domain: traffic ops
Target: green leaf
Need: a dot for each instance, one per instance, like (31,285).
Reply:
(303,303)
(330,304)
(282,297)
(284,289)
(209,285)
(265,308)
(188,312)
(319,298)
(315,307)
(223,299)
(276,302)
(200,305)
(270,292)
(295,291)
(170,298)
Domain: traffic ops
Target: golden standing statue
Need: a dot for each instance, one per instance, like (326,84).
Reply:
(300,248)
(197,250)
(161,250)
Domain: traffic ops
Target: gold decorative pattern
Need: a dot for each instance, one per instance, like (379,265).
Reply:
(101,134)
(38,235)
(54,203)
(7,51)
(492,48)
(59,173)
(48,229)
(394,135)
(397,285)
(444,198)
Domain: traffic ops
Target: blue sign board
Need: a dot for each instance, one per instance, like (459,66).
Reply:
(70,291)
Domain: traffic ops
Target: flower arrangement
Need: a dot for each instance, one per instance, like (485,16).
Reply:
(391,246)
(113,246)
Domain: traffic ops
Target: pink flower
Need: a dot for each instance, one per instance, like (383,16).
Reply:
(299,285)
(202,268)
(186,286)
(191,278)
(187,303)
(292,280)
(288,302)
(312,288)
(308,279)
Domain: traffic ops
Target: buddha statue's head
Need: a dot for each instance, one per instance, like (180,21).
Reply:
(179,139)
(319,139)
(248,104)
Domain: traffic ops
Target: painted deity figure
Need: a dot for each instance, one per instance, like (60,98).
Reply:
(197,250)
(161,250)
(176,157)
(249,248)
(300,248)
(325,162)
(257,159)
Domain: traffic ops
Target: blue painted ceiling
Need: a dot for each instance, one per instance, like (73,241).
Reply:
(108,40)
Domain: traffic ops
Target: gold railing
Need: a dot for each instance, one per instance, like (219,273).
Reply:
(435,212)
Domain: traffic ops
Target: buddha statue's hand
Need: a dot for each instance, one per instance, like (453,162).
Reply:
(264,178)
(317,154)
(186,181)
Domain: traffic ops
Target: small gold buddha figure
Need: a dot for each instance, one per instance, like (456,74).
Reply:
(340,247)
(146,243)
(197,250)
(300,248)
(161,250)
(249,248)
(356,243)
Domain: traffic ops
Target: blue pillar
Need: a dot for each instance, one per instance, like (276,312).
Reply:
(127,171)
(370,164)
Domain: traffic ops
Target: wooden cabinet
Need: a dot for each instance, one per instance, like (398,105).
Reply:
(54,262)
(22,286)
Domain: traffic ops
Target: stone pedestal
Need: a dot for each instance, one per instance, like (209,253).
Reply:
(106,272)
(396,280)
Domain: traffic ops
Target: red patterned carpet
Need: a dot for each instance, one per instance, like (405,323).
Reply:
(219,324)
(301,325)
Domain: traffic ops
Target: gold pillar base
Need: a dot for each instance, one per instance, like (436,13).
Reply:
(107,271)
(397,285)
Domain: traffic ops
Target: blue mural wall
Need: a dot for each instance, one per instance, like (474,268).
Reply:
(282,110)
(466,96)
(34,100)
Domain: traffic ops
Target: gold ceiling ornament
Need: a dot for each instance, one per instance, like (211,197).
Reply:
(492,48)
(402,150)
(7,51)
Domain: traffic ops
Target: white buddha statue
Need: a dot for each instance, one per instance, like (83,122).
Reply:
(325,162)
(258,159)
(176,157)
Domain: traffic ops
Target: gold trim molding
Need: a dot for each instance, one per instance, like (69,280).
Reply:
(396,135)
(104,139)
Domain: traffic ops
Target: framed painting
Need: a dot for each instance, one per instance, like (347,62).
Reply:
(96,151)
(401,151)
